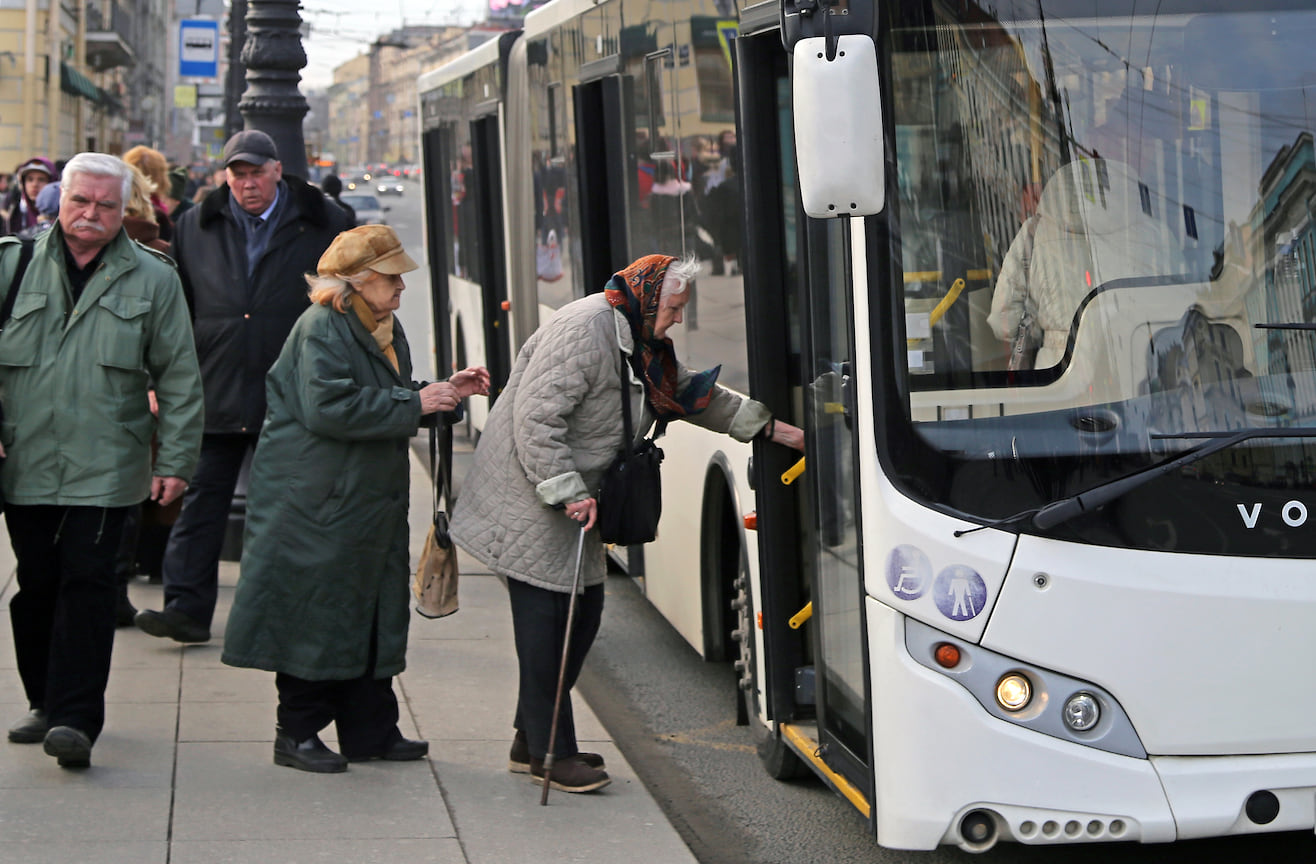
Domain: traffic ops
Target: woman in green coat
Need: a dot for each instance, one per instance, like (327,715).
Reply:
(323,599)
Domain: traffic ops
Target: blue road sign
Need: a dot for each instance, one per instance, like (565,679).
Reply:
(198,48)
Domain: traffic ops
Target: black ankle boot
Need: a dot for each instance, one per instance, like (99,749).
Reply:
(309,755)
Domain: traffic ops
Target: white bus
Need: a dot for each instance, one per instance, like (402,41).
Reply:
(1039,281)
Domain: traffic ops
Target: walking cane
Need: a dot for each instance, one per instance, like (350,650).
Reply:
(562,670)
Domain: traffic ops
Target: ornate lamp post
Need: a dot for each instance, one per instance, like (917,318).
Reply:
(273,55)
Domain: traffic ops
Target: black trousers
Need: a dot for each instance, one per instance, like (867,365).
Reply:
(63,613)
(365,709)
(191,559)
(539,624)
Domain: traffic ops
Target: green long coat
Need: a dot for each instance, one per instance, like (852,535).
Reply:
(325,552)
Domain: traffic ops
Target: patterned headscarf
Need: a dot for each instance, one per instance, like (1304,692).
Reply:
(637,291)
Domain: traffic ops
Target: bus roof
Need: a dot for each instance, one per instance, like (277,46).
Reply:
(481,55)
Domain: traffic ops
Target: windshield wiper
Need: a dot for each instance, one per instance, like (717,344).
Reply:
(1058,512)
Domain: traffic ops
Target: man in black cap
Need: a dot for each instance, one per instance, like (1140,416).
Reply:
(241,255)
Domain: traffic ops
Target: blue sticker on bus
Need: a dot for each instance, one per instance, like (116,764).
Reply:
(908,571)
(959,592)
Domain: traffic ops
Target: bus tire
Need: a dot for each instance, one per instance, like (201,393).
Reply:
(779,760)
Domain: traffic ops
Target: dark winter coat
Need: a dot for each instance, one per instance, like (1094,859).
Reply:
(325,551)
(240,325)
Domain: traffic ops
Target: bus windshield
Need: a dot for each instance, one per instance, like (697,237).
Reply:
(1105,247)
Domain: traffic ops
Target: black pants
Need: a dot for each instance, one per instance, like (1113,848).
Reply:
(365,709)
(63,613)
(539,624)
(191,560)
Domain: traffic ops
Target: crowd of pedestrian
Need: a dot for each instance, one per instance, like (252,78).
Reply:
(150,344)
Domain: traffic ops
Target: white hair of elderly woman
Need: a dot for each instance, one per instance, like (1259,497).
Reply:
(684,270)
(335,290)
(98,165)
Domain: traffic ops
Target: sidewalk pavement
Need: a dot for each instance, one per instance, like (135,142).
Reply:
(183,772)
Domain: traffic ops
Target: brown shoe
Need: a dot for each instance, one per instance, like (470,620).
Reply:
(518,760)
(570,775)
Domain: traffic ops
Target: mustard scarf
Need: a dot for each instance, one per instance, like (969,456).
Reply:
(381,330)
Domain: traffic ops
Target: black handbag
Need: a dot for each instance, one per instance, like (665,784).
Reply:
(7,309)
(631,494)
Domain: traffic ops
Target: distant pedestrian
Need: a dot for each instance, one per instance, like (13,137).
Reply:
(155,168)
(47,212)
(19,211)
(103,317)
(333,187)
(323,600)
(241,254)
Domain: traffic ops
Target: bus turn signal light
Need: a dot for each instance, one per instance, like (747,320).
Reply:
(947,655)
(752,520)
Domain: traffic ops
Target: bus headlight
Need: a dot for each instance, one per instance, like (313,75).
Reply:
(1013,692)
(1082,712)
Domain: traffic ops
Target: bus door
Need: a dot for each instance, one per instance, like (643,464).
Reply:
(829,523)
(437,153)
(810,567)
(489,264)
(601,166)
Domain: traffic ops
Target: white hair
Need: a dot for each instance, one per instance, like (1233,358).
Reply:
(336,290)
(685,270)
(98,165)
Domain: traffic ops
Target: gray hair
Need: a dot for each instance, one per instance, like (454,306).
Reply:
(98,165)
(685,270)
(335,290)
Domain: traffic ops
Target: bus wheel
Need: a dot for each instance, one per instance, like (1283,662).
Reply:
(779,760)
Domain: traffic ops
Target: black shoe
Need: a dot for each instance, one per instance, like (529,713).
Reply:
(31,729)
(125,613)
(172,624)
(401,750)
(309,755)
(570,775)
(518,760)
(70,746)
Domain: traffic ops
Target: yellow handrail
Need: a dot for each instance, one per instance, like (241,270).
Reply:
(792,473)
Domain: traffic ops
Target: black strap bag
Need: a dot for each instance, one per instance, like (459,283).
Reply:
(7,309)
(631,494)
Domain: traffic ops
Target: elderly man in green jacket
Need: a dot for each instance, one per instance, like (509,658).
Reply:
(97,320)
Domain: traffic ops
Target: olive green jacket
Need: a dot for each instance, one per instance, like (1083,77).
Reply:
(324,556)
(74,378)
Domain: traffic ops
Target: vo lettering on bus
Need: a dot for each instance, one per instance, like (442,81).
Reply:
(1294,514)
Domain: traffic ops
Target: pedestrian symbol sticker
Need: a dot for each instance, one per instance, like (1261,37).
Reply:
(908,572)
(959,592)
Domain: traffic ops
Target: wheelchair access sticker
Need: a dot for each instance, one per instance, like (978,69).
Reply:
(908,572)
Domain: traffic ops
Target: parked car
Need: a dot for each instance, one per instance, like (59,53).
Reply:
(367,207)
(390,186)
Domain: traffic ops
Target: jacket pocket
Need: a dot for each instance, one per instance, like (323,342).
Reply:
(21,344)
(119,335)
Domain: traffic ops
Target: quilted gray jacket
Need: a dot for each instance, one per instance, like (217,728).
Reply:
(554,429)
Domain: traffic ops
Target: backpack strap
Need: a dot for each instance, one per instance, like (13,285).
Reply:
(24,258)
